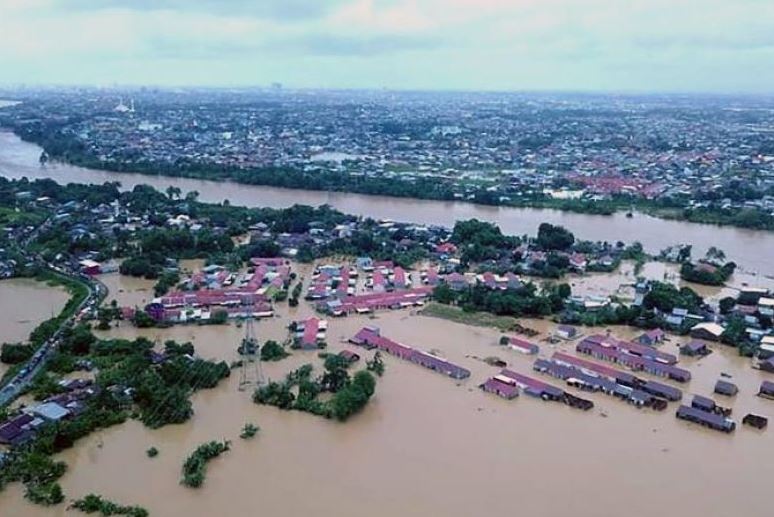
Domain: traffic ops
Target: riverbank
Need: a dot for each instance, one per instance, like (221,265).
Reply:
(751,248)
(429,189)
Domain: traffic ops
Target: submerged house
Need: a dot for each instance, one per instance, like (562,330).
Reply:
(652,337)
(628,347)
(566,332)
(706,418)
(708,331)
(587,381)
(726,388)
(707,404)
(655,388)
(756,421)
(537,388)
(370,338)
(521,345)
(695,349)
(310,334)
(766,390)
(633,362)
(501,386)
(366,303)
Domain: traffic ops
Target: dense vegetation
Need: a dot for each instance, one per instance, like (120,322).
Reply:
(707,274)
(195,466)
(128,384)
(273,351)
(524,301)
(349,394)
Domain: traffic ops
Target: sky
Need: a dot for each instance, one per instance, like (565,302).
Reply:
(717,46)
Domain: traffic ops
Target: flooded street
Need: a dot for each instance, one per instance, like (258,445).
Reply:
(751,249)
(24,304)
(426,445)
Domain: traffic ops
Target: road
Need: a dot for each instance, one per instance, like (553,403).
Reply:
(97,292)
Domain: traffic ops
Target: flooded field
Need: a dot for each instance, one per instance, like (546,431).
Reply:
(427,445)
(24,304)
(621,282)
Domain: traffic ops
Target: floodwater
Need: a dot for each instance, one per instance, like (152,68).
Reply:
(621,282)
(24,304)
(428,445)
(752,249)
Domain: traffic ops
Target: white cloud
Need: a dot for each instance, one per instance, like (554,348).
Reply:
(576,44)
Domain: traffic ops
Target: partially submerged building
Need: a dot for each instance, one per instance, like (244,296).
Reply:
(695,349)
(726,388)
(367,303)
(370,338)
(706,418)
(502,386)
(766,390)
(632,361)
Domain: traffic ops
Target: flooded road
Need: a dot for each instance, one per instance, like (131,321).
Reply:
(24,304)
(428,445)
(752,249)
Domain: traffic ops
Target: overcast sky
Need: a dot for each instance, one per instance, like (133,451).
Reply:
(618,45)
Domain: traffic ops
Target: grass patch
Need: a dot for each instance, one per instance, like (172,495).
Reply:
(476,319)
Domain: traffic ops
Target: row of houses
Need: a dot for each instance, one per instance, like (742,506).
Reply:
(332,280)
(200,311)
(637,349)
(370,338)
(588,381)
(367,303)
(507,384)
(655,388)
(214,289)
(707,419)
(633,362)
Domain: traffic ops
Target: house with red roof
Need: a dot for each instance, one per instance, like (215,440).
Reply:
(310,333)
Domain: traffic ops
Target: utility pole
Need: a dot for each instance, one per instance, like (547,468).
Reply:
(250,372)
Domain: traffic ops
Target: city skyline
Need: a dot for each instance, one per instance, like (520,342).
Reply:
(489,45)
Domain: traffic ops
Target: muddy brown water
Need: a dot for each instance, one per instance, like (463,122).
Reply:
(752,249)
(24,304)
(428,445)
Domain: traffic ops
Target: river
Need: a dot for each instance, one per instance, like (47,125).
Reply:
(753,250)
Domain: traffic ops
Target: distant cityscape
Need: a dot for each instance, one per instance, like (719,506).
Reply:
(689,152)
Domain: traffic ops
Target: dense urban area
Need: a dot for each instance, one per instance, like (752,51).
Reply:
(701,159)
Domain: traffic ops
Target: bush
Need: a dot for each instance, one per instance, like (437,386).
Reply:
(195,466)
(46,494)
(249,431)
(95,504)
(16,353)
(273,351)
